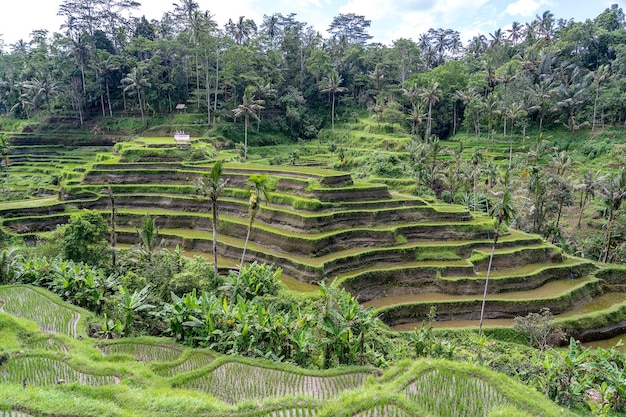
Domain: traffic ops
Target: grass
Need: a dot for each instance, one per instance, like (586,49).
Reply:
(235,382)
(46,309)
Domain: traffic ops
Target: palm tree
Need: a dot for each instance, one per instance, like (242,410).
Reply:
(106,65)
(586,186)
(45,88)
(541,93)
(248,109)
(136,81)
(504,212)
(148,237)
(259,185)
(477,158)
(430,96)
(417,117)
(332,84)
(4,162)
(491,106)
(612,188)
(466,97)
(514,112)
(516,32)
(600,76)
(212,186)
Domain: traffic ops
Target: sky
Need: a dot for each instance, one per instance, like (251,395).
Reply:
(390,19)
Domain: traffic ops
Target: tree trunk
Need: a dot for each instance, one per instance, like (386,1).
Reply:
(245,246)
(583,202)
(208,92)
(106,83)
(595,108)
(143,117)
(113,234)
(217,83)
(482,309)
(604,255)
(245,138)
(332,114)
(214,210)
(197,80)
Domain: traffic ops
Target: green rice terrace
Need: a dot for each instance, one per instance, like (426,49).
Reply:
(415,263)
(398,253)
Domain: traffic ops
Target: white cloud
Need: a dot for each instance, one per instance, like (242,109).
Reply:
(370,9)
(525,8)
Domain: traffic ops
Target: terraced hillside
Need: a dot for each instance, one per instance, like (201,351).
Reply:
(53,374)
(400,254)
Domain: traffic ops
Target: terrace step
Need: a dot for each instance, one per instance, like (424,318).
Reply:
(599,305)
(312,244)
(376,282)
(559,296)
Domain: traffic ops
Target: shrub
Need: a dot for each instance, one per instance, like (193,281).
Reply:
(254,281)
(198,275)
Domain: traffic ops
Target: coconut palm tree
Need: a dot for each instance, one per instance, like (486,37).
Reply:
(600,76)
(466,97)
(212,186)
(431,96)
(259,186)
(514,111)
(541,93)
(45,88)
(4,163)
(477,159)
(136,81)
(248,108)
(106,65)
(586,186)
(503,211)
(332,84)
(611,188)
(516,32)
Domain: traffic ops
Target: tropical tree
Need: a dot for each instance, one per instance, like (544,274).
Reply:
(132,304)
(4,164)
(430,95)
(541,93)
(600,77)
(514,111)
(586,187)
(477,159)
(466,96)
(259,184)
(148,236)
(503,211)
(612,189)
(44,88)
(105,67)
(331,84)
(136,81)
(212,186)
(248,109)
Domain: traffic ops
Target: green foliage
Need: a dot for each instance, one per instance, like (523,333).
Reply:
(83,239)
(540,328)
(253,281)
(197,274)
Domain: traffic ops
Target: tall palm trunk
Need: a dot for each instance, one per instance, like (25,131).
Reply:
(143,117)
(214,210)
(482,309)
(245,138)
(583,202)
(604,255)
(245,245)
(332,114)
(106,83)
